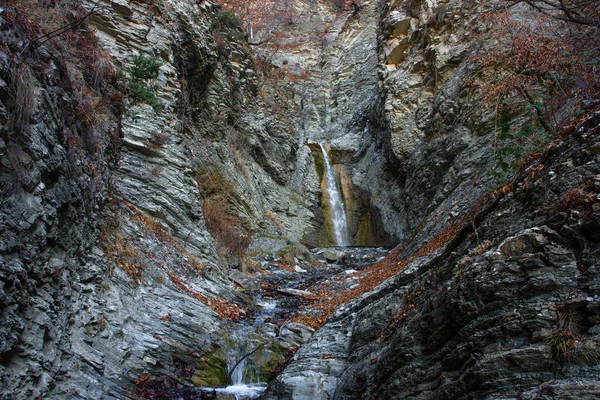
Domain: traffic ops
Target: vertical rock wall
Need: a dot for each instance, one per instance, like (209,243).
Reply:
(485,292)
(108,270)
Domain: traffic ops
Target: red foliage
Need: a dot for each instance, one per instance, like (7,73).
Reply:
(545,66)
(231,236)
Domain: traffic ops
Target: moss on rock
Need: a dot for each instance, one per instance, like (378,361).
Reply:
(213,372)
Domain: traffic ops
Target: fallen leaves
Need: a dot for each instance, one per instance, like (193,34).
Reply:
(224,308)
(328,299)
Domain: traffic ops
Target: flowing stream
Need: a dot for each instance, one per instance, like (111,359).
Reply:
(336,205)
(247,348)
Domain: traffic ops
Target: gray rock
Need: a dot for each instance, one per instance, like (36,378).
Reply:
(333,255)
(243,280)
(294,292)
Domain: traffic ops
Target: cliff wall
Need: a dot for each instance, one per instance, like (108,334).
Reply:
(142,156)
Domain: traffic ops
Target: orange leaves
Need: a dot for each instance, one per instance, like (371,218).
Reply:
(400,316)
(124,254)
(328,299)
(221,306)
(576,198)
(326,357)
(166,317)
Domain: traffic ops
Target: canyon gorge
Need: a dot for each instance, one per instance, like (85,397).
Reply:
(376,199)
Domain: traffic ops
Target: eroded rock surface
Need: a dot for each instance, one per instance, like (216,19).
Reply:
(109,272)
(489,313)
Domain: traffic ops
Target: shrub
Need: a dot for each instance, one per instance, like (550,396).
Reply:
(141,92)
(143,70)
(231,236)
(538,77)
(225,20)
(37,32)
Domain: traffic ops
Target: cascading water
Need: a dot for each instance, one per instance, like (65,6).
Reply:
(244,378)
(338,212)
(244,382)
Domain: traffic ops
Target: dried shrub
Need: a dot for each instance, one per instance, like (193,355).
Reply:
(280,226)
(39,34)
(566,340)
(157,140)
(539,76)
(211,182)
(124,254)
(578,198)
(232,237)
(220,42)
(541,65)
(24,101)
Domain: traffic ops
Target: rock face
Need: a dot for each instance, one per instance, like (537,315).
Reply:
(341,105)
(108,270)
(120,219)
(509,309)
(478,314)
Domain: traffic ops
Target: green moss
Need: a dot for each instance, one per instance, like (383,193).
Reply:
(327,235)
(269,360)
(294,250)
(213,372)
(318,157)
(364,235)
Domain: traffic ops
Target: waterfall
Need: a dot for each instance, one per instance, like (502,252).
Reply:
(233,360)
(336,206)
(243,377)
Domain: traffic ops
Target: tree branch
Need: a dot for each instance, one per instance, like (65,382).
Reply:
(35,43)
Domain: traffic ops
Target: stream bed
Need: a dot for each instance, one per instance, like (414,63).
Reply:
(254,350)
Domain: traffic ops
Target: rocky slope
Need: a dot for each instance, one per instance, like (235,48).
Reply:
(130,197)
(494,298)
(505,305)
(108,270)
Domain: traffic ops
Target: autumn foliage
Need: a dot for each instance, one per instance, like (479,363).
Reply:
(369,278)
(540,74)
(260,17)
(538,68)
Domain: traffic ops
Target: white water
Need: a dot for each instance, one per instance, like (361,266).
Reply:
(243,373)
(245,381)
(243,391)
(338,212)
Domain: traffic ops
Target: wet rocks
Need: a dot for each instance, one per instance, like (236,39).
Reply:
(483,314)
(333,256)
(294,292)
